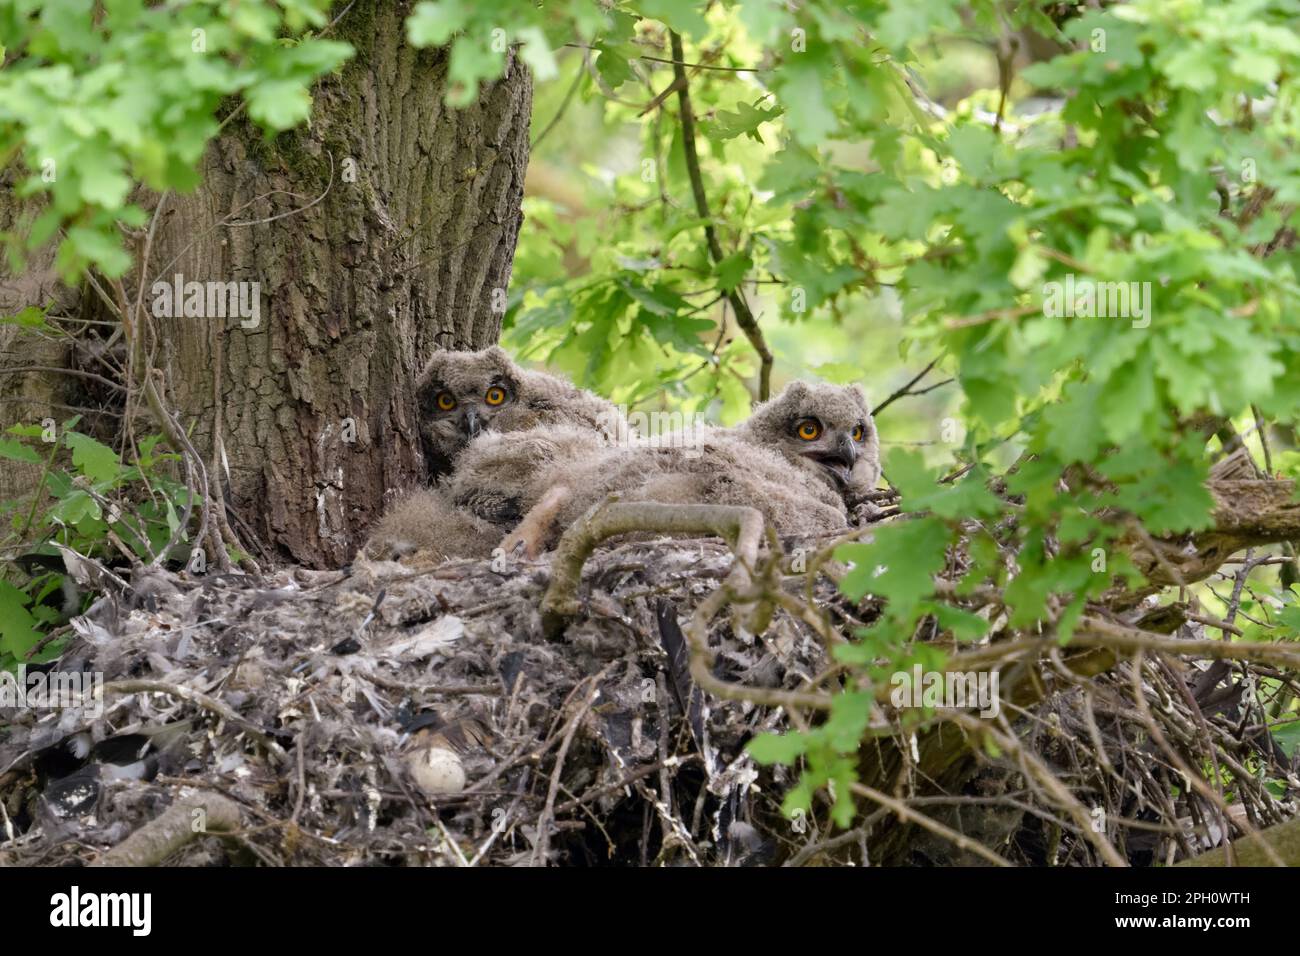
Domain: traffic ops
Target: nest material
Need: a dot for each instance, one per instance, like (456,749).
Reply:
(398,715)
(393,715)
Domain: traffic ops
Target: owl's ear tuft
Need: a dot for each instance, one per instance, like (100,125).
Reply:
(499,359)
(501,366)
(860,396)
(789,401)
(432,370)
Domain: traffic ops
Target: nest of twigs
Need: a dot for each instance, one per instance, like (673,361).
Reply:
(591,749)
(398,715)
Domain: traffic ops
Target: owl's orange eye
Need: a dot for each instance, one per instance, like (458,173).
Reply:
(496,395)
(859,433)
(446,401)
(809,430)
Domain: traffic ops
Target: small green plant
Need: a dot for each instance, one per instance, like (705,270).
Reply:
(89,499)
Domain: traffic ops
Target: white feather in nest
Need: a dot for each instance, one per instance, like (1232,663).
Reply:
(437,637)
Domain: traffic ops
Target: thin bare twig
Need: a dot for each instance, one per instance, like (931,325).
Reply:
(744,317)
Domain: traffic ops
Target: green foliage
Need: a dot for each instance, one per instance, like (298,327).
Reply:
(1089,265)
(97,97)
(88,499)
(1101,252)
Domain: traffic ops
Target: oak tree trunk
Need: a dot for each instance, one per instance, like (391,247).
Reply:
(384,231)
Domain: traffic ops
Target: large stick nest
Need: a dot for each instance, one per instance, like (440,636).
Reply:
(401,715)
(352,679)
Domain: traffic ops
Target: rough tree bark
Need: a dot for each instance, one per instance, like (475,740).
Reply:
(29,396)
(378,235)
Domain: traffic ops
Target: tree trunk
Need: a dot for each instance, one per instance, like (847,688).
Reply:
(30,397)
(376,236)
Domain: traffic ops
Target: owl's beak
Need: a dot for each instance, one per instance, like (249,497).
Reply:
(470,423)
(839,461)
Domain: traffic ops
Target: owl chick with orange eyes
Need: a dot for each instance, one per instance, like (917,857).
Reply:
(460,397)
(803,460)
(825,430)
(463,394)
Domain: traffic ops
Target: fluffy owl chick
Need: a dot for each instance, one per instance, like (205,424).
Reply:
(803,459)
(462,394)
(501,476)
(551,477)
(425,520)
(825,430)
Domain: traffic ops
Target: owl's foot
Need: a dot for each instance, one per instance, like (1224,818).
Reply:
(530,536)
(518,544)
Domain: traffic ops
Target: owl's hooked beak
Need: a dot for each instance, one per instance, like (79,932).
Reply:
(470,423)
(839,461)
